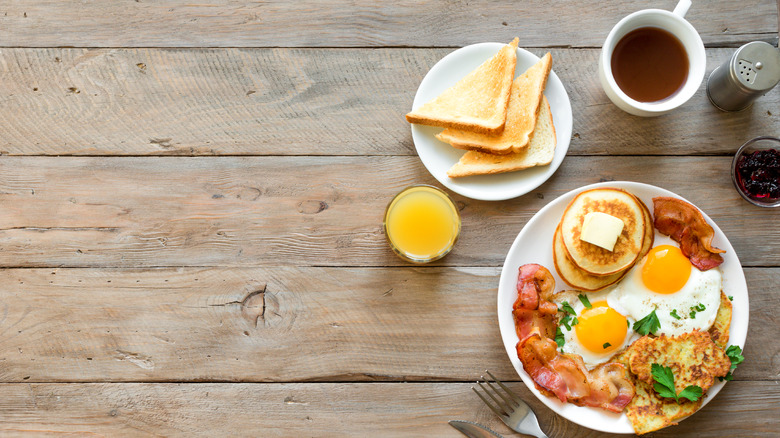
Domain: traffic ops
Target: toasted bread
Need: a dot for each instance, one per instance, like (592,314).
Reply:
(522,114)
(479,101)
(591,258)
(540,152)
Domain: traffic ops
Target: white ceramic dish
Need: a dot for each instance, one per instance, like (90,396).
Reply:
(534,245)
(438,157)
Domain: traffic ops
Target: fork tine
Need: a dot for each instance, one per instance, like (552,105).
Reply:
(502,406)
(492,408)
(509,402)
(509,392)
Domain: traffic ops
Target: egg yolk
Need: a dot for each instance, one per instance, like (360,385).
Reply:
(601,329)
(666,269)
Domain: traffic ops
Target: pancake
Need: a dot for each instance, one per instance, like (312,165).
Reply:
(574,276)
(591,258)
(579,279)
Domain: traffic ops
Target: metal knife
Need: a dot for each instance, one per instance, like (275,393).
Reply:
(473,430)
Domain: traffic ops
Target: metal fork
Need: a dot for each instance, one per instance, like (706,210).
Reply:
(509,407)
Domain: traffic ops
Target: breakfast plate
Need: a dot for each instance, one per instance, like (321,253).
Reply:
(534,245)
(438,156)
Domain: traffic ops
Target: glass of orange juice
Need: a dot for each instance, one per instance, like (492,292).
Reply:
(422,224)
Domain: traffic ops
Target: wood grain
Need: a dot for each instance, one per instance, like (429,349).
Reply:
(280,324)
(304,102)
(334,23)
(300,211)
(325,410)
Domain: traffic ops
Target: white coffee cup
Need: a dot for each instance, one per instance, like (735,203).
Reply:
(672,22)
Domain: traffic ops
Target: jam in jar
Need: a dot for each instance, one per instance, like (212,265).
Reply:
(758,174)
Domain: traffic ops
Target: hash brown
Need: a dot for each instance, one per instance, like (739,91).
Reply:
(720,328)
(693,357)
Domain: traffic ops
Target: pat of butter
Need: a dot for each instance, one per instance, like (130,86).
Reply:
(601,229)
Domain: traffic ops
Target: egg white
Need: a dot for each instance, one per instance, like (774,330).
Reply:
(702,288)
(572,344)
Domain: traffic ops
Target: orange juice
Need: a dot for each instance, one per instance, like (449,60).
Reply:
(422,224)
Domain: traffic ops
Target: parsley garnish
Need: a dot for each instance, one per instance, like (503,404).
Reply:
(674,314)
(731,298)
(565,321)
(575,321)
(566,308)
(697,308)
(735,355)
(559,339)
(648,324)
(585,301)
(664,385)
(606,345)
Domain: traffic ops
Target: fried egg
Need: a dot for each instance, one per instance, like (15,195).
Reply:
(597,333)
(683,297)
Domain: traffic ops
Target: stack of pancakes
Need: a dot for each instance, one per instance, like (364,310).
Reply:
(588,267)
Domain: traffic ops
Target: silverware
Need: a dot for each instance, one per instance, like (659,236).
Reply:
(473,430)
(510,408)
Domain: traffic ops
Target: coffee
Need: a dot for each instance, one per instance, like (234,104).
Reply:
(649,64)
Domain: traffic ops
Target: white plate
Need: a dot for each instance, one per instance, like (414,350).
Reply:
(438,157)
(534,245)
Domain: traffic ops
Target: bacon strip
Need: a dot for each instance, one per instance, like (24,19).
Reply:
(555,374)
(566,377)
(533,312)
(685,224)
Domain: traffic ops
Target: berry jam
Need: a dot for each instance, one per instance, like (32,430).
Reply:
(758,174)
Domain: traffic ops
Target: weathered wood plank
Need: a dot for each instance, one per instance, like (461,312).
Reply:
(300,211)
(332,23)
(325,410)
(303,102)
(280,324)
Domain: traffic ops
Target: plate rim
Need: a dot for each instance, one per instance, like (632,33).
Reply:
(520,187)
(508,274)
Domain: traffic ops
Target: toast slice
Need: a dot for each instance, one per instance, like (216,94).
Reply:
(540,152)
(478,102)
(524,105)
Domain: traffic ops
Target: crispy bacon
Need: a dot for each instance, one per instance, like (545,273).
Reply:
(556,374)
(533,312)
(566,377)
(685,224)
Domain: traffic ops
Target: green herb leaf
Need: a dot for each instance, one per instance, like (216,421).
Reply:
(731,298)
(701,307)
(663,377)
(648,324)
(585,301)
(692,314)
(664,384)
(566,308)
(606,345)
(565,321)
(674,314)
(575,321)
(692,393)
(559,339)
(735,355)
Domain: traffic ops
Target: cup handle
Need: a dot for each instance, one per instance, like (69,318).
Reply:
(682,8)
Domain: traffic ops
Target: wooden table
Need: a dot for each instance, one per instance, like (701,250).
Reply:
(192,198)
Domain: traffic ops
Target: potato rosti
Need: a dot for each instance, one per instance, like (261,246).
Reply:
(693,357)
(720,328)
